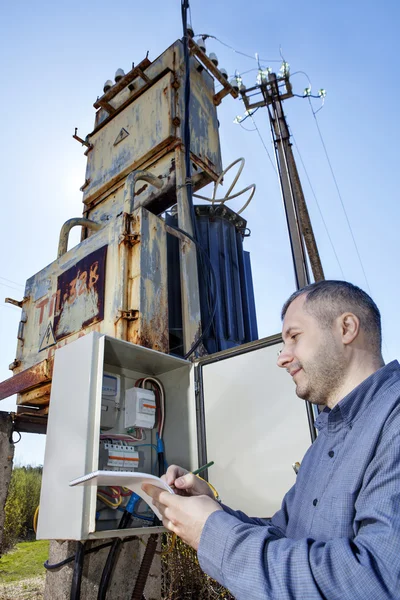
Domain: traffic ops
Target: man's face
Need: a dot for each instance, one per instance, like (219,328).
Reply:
(312,355)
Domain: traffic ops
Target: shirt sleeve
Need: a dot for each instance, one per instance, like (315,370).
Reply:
(279,520)
(259,562)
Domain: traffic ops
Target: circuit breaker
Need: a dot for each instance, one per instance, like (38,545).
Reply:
(140,408)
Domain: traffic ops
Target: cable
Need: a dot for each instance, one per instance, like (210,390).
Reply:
(66,561)
(265,146)
(11,281)
(186,123)
(207,35)
(11,287)
(77,572)
(112,556)
(35,519)
(339,195)
(227,197)
(317,203)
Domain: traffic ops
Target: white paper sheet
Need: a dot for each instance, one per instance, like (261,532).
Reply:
(131,480)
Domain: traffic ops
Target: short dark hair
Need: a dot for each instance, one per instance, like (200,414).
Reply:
(327,300)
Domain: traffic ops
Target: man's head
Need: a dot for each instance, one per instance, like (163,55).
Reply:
(332,335)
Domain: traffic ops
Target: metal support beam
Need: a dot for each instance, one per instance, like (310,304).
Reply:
(191,315)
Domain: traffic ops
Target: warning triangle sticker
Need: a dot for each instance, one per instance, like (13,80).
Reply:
(48,339)
(121,136)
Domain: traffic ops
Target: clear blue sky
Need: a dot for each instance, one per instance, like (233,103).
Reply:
(56,57)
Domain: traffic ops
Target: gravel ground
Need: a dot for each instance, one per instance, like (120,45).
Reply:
(26,589)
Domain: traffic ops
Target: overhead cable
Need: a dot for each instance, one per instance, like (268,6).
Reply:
(317,203)
(339,195)
(207,35)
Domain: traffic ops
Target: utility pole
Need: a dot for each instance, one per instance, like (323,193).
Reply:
(301,235)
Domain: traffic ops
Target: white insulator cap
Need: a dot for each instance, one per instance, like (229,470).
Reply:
(242,89)
(108,85)
(214,58)
(224,73)
(201,44)
(190,30)
(119,74)
(234,84)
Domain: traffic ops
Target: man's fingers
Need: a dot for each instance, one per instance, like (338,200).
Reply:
(173,472)
(187,482)
(159,495)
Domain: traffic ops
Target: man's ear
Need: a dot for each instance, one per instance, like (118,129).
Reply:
(350,327)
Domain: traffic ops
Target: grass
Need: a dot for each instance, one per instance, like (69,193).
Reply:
(23,561)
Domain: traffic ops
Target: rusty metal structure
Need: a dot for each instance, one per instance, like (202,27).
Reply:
(115,281)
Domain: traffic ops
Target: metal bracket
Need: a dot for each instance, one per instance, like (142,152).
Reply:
(129,315)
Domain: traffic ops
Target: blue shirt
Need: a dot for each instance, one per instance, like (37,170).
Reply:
(337,534)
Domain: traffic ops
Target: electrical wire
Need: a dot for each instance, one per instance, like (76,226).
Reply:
(52,567)
(35,519)
(207,35)
(11,281)
(158,383)
(317,203)
(339,196)
(264,145)
(11,287)
(77,572)
(228,196)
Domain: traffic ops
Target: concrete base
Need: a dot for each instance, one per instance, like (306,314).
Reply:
(6,463)
(58,583)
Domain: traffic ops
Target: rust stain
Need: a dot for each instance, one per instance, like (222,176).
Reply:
(140,190)
(152,334)
(27,379)
(39,396)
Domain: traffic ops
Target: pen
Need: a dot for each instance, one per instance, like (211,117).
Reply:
(203,468)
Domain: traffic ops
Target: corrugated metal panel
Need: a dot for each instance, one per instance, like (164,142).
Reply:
(220,232)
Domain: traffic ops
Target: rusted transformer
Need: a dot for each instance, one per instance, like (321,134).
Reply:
(115,280)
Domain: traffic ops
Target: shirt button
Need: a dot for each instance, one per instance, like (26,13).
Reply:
(331,453)
(315,502)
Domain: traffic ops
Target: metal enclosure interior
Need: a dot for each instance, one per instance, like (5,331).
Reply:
(207,407)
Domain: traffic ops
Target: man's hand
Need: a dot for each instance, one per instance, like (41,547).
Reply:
(184,516)
(185,483)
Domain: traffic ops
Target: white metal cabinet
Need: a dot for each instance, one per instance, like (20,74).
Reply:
(235,407)
(255,427)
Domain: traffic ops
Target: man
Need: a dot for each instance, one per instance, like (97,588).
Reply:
(337,534)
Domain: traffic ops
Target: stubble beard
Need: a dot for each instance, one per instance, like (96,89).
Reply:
(323,375)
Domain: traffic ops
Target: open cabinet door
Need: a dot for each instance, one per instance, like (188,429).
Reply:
(253,426)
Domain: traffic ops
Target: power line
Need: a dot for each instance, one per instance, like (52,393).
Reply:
(207,35)
(339,195)
(264,144)
(11,281)
(317,203)
(11,287)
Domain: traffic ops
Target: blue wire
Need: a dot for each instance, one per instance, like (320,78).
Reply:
(142,517)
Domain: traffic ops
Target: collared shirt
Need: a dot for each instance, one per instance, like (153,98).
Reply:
(337,534)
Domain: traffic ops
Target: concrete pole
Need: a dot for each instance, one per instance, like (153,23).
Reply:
(299,223)
(6,463)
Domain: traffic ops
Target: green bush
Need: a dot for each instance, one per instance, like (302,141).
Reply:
(23,499)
